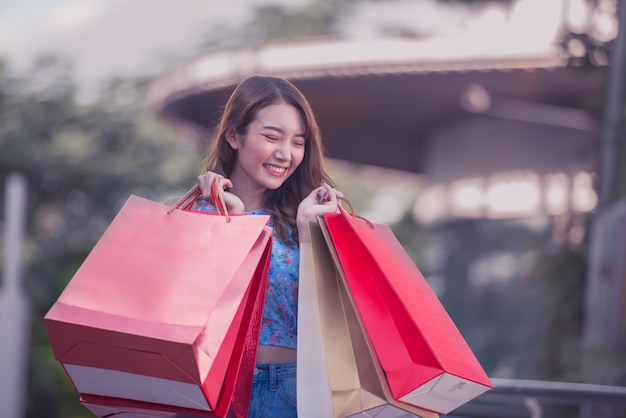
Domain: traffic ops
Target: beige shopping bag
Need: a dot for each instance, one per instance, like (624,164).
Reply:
(357,382)
(313,387)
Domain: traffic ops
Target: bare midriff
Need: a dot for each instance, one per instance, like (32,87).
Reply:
(275,354)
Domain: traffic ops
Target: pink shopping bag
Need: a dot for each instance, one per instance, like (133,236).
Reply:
(166,308)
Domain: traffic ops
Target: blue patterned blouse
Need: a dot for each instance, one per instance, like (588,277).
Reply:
(279,324)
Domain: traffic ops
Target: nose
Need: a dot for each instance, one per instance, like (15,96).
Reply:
(283,151)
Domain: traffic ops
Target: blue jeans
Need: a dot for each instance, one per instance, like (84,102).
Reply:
(274,391)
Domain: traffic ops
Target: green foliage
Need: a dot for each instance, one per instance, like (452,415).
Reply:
(81,162)
(559,276)
(273,23)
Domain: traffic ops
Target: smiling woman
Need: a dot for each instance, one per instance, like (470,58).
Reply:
(269,152)
(266,155)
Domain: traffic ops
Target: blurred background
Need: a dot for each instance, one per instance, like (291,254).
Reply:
(487,133)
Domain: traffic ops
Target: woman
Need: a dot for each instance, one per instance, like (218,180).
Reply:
(267,156)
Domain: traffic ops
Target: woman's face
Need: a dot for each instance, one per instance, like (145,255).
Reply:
(271,150)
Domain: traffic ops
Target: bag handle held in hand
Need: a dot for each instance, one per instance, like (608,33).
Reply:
(216,194)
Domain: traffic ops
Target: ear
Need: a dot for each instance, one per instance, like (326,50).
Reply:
(232,137)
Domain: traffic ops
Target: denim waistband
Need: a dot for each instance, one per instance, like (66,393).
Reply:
(279,370)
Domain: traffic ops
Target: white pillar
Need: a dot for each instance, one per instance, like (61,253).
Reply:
(14,305)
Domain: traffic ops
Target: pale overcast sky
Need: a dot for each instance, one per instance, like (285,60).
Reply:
(105,37)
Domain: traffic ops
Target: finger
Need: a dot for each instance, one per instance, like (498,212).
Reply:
(226,183)
(327,193)
(205,180)
(332,193)
(203,185)
(322,195)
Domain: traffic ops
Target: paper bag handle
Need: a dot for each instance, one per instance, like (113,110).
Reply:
(217,197)
(187,200)
(352,212)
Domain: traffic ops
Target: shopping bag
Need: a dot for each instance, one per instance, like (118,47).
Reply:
(358,385)
(102,406)
(161,308)
(313,390)
(426,360)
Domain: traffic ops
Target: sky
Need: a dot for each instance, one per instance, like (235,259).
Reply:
(104,38)
(111,36)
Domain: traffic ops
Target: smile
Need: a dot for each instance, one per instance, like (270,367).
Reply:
(276,169)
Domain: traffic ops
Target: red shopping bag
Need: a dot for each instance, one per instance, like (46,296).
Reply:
(166,308)
(347,378)
(426,360)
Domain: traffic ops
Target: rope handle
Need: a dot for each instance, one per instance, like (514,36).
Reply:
(352,212)
(187,201)
(217,197)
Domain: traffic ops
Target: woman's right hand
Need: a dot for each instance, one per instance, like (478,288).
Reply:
(233,203)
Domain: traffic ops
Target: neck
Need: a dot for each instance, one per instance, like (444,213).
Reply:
(252,203)
(252,197)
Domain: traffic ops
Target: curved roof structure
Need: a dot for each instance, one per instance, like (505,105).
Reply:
(424,106)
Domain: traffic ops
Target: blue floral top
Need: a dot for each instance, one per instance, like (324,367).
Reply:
(279,324)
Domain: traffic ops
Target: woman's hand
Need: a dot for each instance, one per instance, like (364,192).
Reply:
(233,203)
(321,200)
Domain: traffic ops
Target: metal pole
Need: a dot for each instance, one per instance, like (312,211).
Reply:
(14,306)
(563,393)
(613,119)
(602,335)
(604,282)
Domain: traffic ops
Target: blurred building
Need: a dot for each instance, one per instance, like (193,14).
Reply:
(503,126)
(494,107)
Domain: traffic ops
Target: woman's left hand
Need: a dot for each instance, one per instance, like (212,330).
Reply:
(321,200)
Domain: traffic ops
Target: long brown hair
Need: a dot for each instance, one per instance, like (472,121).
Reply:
(250,96)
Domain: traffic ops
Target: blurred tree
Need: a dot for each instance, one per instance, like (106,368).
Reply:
(274,23)
(314,19)
(81,161)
